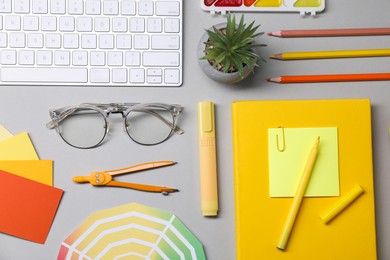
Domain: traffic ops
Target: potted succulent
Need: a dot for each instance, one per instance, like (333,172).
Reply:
(226,51)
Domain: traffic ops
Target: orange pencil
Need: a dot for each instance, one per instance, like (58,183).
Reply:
(331,32)
(331,78)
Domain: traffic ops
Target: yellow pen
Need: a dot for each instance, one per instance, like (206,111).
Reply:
(208,159)
(299,196)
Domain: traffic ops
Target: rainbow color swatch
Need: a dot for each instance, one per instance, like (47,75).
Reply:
(301,6)
(131,231)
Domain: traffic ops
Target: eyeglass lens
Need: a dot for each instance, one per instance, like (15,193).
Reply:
(84,128)
(149,126)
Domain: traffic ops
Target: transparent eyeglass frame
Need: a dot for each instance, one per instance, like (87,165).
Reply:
(58,115)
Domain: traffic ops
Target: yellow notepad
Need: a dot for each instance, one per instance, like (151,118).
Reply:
(260,218)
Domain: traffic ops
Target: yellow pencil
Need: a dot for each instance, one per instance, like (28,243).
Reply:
(331,54)
(299,196)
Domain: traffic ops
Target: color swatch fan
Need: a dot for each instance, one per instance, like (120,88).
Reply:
(131,231)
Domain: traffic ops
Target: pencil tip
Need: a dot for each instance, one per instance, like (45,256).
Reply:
(278,56)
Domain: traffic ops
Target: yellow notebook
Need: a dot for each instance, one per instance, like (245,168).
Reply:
(260,218)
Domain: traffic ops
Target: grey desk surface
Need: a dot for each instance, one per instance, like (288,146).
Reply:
(26,109)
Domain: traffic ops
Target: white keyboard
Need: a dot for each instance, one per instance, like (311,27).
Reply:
(91,42)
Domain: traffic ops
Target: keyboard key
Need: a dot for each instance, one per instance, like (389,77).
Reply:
(119,75)
(92,7)
(62,58)
(3,40)
(26,57)
(114,58)
(44,74)
(80,58)
(154,75)
(172,76)
(172,25)
(8,57)
(128,7)
(49,23)
(22,6)
(53,40)
(12,23)
(98,58)
(154,25)
(57,6)
(119,24)
(133,58)
(168,8)
(110,7)
(100,75)
(39,6)
(66,24)
(123,41)
(106,41)
(88,41)
(84,24)
(145,8)
(75,7)
(17,40)
(35,40)
(141,42)
(44,58)
(102,24)
(71,40)
(5,6)
(155,59)
(137,75)
(30,23)
(165,42)
(137,25)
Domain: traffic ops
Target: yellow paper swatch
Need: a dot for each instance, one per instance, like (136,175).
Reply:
(4,133)
(18,147)
(36,170)
(285,167)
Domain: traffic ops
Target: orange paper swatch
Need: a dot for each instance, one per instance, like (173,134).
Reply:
(27,208)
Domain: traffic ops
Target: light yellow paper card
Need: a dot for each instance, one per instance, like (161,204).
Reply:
(36,170)
(18,147)
(285,168)
(4,134)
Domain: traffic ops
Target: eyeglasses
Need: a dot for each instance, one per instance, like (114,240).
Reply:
(86,125)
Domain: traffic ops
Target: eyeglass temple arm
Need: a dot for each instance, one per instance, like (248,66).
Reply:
(140,167)
(176,129)
(52,124)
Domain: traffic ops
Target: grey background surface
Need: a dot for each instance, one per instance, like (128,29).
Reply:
(26,109)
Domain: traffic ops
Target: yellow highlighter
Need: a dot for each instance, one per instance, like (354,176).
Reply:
(208,159)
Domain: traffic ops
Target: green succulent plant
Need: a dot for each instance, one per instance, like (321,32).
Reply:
(232,48)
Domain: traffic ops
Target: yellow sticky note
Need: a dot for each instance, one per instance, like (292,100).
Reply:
(18,147)
(286,167)
(36,170)
(4,134)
